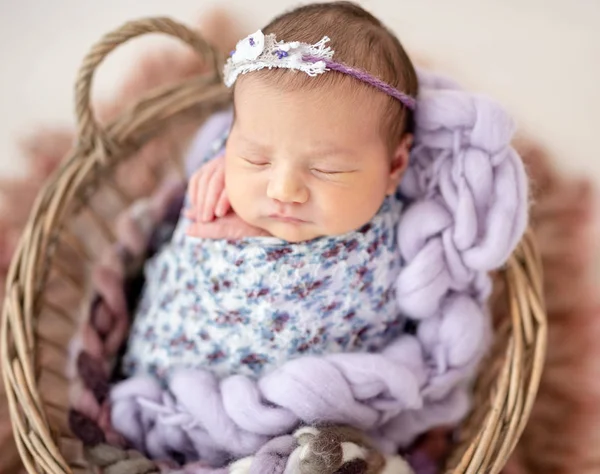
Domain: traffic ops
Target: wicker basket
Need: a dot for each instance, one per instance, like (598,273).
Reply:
(73,219)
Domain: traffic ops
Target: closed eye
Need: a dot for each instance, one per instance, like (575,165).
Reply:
(256,162)
(331,172)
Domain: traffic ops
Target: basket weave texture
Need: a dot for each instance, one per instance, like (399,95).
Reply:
(73,220)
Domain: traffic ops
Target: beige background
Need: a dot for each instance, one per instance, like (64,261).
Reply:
(541,58)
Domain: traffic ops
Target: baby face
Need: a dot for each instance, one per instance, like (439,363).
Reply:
(306,163)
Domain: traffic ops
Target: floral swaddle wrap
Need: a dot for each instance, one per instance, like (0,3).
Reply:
(249,305)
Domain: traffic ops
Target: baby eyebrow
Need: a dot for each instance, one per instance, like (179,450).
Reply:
(336,158)
(327,152)
(252,145)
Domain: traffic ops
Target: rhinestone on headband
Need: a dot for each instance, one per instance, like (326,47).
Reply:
(258,51)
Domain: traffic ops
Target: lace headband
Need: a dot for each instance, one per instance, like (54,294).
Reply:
(258,51)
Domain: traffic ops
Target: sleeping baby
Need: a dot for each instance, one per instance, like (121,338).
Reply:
(304,191)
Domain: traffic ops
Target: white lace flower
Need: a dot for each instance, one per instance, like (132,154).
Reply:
(249,48)
(258,51)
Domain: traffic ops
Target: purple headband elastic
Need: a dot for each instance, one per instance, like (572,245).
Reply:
(364,76)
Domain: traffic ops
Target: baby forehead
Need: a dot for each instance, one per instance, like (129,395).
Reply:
(283,84)
(317,112)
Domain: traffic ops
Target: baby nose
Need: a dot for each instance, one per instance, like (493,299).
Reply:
(287,187)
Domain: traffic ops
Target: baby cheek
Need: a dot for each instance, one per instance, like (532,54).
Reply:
(234,188)
(335,208)
(355,208)
(244,192)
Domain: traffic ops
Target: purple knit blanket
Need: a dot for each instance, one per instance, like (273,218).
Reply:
(468,209)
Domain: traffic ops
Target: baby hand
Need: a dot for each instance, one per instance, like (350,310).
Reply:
(207,192)
(208,200)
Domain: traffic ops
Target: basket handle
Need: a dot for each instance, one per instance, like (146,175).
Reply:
(90,133)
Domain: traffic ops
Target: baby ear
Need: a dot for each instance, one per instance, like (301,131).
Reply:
(400,158)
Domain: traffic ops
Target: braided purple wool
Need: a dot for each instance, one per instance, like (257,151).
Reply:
(467,209)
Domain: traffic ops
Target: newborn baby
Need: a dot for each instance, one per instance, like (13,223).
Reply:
(305,189)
